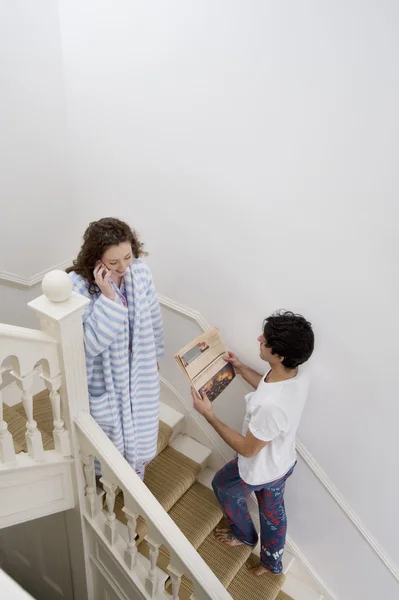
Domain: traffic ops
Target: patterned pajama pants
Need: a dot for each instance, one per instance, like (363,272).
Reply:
(140,469)
(232,493)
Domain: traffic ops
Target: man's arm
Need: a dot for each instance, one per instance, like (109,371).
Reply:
(248,446)
(250,376)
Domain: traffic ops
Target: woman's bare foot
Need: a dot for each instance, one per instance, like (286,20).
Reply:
(226,537)
(258,570)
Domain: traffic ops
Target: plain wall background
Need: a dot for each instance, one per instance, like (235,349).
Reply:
(254,145)
(37,219)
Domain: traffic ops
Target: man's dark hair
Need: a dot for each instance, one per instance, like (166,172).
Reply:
(289,335)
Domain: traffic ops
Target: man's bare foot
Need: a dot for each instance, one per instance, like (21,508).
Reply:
(258,570)
(226,537)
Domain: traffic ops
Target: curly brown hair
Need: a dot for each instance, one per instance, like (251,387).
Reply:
(97,238)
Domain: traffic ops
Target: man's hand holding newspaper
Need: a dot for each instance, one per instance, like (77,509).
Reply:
(207,364)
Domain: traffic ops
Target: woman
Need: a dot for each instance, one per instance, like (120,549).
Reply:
(123,338)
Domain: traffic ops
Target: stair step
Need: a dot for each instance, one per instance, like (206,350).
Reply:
(192,449)
(169,475)
(295,588)
(224,561)
(171,417)
(246,585)
(196,513)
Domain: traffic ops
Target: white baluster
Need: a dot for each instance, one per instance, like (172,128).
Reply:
(131,548)
(7,450)
(111,532)
(175,577)
(60,434)
(91,499)
(151,583)
(33,436)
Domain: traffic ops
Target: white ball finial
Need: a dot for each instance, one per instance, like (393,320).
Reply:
(57,286)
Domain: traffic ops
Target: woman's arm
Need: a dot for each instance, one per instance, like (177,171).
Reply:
(103,319)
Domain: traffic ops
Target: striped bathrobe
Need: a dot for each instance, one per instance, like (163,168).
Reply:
(122,346)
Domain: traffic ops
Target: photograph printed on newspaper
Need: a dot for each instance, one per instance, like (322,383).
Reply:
(203,363)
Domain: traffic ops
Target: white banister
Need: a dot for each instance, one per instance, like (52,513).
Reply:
(162,529)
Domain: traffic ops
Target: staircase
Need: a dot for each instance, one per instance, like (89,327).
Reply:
(179,479)
(153,540)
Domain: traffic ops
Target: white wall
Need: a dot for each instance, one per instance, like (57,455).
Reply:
(36,224)
(14,308)
(255,146)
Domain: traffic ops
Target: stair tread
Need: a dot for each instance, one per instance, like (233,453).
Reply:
(196,513)
(169,475)
(224,561)
(248,586)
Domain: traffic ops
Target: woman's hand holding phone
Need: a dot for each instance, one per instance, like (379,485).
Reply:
(102,278)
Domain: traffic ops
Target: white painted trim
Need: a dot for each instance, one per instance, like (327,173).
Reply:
(311,463)
(25,283)
(194,315)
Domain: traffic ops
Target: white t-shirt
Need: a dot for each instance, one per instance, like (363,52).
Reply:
(273,414)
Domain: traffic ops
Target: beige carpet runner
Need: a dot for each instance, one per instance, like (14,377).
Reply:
(171,477)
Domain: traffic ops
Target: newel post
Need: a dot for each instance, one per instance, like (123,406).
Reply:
(60,312)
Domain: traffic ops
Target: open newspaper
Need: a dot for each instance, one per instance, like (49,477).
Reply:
(202,362)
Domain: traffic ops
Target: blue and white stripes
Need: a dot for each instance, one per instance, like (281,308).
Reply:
(124,383)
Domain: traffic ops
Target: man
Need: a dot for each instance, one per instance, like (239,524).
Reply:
(266,447)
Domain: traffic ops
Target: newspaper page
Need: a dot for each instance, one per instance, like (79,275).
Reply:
(202,362)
